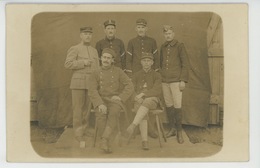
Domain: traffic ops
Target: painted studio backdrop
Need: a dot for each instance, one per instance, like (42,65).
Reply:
(53,34)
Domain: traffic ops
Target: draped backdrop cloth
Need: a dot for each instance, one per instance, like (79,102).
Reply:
(52,34)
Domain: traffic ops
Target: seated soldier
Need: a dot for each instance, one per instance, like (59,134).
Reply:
(148,89)
(107,96)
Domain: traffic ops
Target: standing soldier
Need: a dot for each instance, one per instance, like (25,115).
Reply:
(82,59)
(175,72)
(107,96)
(136,47)
(110,41)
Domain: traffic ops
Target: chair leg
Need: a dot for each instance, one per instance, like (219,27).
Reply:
(95,134)
(158,128)
(162,129)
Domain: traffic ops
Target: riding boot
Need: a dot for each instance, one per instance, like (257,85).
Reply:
(178,118)
(170,111)
(105,146)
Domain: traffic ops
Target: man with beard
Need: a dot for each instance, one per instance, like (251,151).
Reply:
(107,96)
(110,41)
(82,59)
(175,73)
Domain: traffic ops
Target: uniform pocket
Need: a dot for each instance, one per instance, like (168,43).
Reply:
(78,76)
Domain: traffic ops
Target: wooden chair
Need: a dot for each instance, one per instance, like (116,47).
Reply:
(159,125)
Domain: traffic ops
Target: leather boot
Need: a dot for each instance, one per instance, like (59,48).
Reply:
(172,132)
(170,111)
(130,131)
(145,145)
(105,146)
(178,118)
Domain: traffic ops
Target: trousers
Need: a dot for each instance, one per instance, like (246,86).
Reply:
(80,105)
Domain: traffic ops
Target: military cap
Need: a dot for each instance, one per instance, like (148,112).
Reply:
(141,22)
(109,22)
(147,55)
(167,27)
(86,29)
(109,51)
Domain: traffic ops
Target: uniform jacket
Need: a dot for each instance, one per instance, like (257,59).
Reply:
(149,83)
(75,61)
(136,47)
(174,62)
(105,83)
(117,45)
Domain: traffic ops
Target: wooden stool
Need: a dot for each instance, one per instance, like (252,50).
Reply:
(160,129)
(118,126)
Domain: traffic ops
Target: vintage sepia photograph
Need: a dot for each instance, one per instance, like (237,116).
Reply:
(129,84)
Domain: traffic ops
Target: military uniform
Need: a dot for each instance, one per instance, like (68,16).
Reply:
(174,65)
(149,84)
(116,44)
(105,83)
(80,83)
(174,62)
(136,47)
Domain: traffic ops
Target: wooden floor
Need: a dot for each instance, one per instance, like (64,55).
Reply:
(68,147)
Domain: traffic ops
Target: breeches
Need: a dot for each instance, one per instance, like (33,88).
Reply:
(172,94)
(151,103)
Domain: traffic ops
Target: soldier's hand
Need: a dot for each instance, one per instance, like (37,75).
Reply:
(129,73)
(116,98)
(139,96)
(182,85)
(87,62)
(102,108)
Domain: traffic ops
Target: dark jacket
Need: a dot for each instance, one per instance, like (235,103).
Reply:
(174,62)
(136,47)
(149,83)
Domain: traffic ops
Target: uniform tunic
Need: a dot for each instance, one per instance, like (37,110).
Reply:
(149,83)
(174,62)
(105,83)
(75,61)
(135,48)
(117,45)
(151,80)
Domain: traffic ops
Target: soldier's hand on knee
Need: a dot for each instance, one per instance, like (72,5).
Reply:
(102,108)
(139,96)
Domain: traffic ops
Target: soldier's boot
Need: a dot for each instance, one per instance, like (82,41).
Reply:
(178,117)
(170,114)
(143,130)
(105,146)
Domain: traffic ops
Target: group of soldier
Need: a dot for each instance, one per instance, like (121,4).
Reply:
(107,78)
